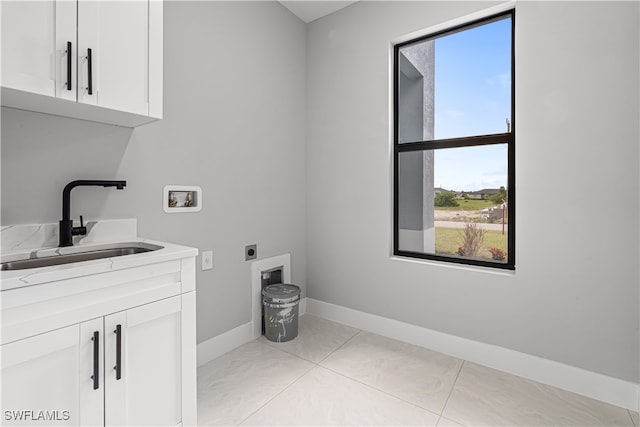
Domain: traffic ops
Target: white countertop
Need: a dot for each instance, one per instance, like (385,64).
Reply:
(35,276)
(12,279)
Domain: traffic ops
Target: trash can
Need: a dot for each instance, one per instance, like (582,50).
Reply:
(280,303)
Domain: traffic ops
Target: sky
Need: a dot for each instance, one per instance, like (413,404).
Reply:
(473,97)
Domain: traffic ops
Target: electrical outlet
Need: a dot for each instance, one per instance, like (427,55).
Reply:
(250,252)
(207,260)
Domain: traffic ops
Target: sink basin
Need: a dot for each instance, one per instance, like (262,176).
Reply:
(79,256)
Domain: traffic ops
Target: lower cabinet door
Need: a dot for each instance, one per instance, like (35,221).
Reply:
(143,365)
(47,378)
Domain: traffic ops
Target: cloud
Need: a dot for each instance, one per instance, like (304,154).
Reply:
(499,171)
(454,113)
(505,80)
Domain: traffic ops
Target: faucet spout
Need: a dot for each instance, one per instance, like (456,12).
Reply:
(67,230)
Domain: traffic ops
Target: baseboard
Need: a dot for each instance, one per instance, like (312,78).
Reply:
(224,343)
(302,307)
(597,386)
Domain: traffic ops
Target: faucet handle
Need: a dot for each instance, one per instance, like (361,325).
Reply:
(79,231)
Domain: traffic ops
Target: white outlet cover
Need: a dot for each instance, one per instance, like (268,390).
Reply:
(207,260)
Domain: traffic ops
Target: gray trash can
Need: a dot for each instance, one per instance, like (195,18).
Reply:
(280,303)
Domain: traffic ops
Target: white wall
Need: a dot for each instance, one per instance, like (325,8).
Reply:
(237,79)
(574,295)
(234,120)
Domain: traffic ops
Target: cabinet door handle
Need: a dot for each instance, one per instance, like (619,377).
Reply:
(96,360)
(118,366)
(90,74)
(69,53)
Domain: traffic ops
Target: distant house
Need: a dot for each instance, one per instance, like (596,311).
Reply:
(438,190)
(485,193)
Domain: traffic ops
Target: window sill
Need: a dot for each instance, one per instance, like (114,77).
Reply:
(455,266)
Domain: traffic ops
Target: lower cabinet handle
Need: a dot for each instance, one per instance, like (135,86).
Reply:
(69,53)
(89,73)
(96,360)
(118,366)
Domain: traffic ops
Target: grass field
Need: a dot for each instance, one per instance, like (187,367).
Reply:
(468,205)
(449,239)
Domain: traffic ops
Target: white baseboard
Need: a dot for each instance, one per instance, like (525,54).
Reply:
(591,384)
(224,343)
(302,307)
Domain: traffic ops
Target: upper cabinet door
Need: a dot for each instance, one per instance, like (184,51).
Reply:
(113,56)
(29,46)
(66,49)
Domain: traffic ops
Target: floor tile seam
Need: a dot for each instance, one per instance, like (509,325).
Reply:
(441,418)
(633,423)
(297,356)
(309,360)
(453,386)
(277,394)
(226,354)
(340,346)
(380,390)
(289,353)
(214,377)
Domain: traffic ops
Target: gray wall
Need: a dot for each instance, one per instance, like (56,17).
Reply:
(234,121)
(235,96)
(574,296)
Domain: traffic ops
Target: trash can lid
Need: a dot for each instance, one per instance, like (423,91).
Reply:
(281,292)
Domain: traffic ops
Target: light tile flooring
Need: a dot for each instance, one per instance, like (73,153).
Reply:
(332,374)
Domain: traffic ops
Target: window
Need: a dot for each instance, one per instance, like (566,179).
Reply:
(454,145)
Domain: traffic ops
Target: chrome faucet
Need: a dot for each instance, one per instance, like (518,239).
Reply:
(67,230)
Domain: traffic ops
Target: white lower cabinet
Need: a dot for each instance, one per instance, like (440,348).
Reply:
(143,378)
(46,379)
(126,368)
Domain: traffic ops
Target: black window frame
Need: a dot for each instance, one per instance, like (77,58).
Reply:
(469,141)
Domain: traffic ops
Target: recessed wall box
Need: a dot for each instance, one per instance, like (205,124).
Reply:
(181,198)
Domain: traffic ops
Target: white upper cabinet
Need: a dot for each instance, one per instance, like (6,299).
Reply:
(29,46)
(66,53)
(115,36)
(103,56)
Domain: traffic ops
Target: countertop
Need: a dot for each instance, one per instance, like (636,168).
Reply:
(12,279)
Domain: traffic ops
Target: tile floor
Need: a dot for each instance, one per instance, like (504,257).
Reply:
(332,374)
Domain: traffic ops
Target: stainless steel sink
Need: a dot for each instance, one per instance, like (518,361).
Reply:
(78,257)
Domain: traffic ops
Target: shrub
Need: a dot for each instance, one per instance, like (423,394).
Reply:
(497,253)
(445,199)
(472,238)
(500,197)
